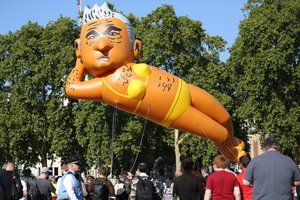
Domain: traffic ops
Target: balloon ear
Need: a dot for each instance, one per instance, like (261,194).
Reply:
(77,46)
(137,48)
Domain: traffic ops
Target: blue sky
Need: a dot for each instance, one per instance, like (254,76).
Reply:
(218,17)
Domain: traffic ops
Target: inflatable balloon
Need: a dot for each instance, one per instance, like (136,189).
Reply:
(106,50)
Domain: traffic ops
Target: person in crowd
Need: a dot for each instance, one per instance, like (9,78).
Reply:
(7,178)
(158,166)
(272,171)
(188,186)
(168,187)
(70,186)
(25,192)
(64,169)
(229,168)
(84,189)
(2,192)
(44,185)
(88,182)
(141,176)
(101,187)
(246,192)
(127,177)
(204,171)
(120,190)
(222,184)
(90,178)
(53,182)
(28,178)
(198,173)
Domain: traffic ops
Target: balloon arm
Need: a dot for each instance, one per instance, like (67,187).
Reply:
(77,87)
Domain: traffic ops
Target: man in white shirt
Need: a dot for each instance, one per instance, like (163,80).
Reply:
(70,186)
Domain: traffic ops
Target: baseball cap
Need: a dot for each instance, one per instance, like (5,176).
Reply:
(45,170)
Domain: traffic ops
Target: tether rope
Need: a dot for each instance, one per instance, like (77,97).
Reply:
(141,141)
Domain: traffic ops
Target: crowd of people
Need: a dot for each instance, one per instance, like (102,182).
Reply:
(270,175)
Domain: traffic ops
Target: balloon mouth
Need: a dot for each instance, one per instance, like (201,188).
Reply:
(103,59)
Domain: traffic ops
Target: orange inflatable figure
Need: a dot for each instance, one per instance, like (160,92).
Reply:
(106,50)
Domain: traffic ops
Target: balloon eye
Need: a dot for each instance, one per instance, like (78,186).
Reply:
(91,37)
(114,33)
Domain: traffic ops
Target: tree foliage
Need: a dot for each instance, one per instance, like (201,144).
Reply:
(264,70)
(34,64)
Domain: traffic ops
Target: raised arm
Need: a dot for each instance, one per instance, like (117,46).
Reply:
(77,87)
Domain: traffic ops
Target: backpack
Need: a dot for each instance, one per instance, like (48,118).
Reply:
(145,189)
(121,193)
(16,188)
(168,192)
(34,192)
(100,190)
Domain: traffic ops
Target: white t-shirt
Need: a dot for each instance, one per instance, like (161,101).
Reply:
(24,185)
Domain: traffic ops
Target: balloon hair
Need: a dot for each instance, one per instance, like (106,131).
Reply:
(103,12)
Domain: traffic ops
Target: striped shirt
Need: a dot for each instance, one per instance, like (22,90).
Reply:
(135,180)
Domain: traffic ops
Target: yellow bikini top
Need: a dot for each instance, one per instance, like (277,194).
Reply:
(137,88)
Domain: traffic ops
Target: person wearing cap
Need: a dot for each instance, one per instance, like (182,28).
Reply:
(71,187)
(271,173)
(44,185)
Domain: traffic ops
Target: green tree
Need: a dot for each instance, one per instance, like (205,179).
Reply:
(264,71)
(34,63)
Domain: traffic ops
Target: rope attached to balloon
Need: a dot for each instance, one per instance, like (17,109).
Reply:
(141,140)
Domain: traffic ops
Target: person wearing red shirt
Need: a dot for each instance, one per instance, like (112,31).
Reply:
(222,185)
(246,192)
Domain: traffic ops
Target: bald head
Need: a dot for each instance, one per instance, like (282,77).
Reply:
(10,167)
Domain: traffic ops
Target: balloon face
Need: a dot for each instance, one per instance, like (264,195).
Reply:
(105,46)
(105,50)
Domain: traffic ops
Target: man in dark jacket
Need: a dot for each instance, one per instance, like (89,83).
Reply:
(8,178)
(2,194)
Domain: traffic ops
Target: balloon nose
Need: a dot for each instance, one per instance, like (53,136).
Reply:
(103,44)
